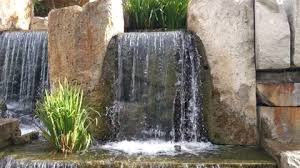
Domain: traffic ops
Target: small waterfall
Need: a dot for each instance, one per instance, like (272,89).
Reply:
(23,70)
(158,87)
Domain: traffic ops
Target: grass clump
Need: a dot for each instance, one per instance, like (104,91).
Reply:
(65,119)
(154,14)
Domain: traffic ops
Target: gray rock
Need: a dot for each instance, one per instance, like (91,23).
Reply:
(273,37)
(9,129)
(26,138)
(290,159)
(226,30)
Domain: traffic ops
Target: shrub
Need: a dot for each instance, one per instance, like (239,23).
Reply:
(65,119)
(40,8)
(152,14)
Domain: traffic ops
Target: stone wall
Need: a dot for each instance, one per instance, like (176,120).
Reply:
(278,77)
(78,39)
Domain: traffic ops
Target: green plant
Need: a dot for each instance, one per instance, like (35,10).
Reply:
(65,119)
(147,14)
(40,9)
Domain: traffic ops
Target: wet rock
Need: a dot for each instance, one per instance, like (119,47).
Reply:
(3,109)
(78,38)
(280,123)
(285,94)
(9,129)
(25,139)
(290,159)
(273,36)
(15,14)
(226,30)
(39,23)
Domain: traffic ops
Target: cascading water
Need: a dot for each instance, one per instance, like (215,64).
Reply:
(23,71)
(158,88)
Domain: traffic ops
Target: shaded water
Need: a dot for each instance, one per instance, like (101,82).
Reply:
(40,155)
(158,88)
(23,71)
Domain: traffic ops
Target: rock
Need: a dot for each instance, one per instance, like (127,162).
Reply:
(278,77)
(9,129)
(297,34)
(78,38)
(285,94)
(26,138)
(3,109)
(39,23)
(280,123)
(15,14)
(290,159)
(273,36)
(226,30)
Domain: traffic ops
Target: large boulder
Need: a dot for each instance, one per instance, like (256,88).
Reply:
(273,35)
(227,32)
(78,40)
(15,14)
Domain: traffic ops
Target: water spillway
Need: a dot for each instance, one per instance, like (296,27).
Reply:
(23,71)
(158,87)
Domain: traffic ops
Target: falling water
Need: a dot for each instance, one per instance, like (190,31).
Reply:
(157,88)
(23,70)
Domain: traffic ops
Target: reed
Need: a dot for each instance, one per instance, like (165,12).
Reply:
(65,119)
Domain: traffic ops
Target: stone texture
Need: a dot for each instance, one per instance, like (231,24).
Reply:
(273,37)
(15,14)
(278,77)
(78,38)
(39,23)
(26,138)
(284,94)
(290,159)
(226,29)
(9,129)
(297,34)
(280,123)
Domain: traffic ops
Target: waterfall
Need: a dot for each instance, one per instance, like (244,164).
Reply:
(158,88)
(23,71)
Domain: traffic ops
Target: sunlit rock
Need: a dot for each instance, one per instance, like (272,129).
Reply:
(290,159)
(15,14)
(226,29)
(273,35)
(39,23)
(78,38)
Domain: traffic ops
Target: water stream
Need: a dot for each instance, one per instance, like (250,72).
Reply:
(23,72)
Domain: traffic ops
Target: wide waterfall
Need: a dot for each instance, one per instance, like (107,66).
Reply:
(23,71)
(158,88)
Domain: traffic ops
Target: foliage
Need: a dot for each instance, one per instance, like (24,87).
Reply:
(65,119)
(147,14)
(40,9)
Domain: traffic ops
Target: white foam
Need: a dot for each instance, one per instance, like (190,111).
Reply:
(158,147)
(25,129)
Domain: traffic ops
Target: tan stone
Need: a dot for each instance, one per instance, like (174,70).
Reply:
(39,23)
(78,38)
(226,29)
(280,123)
(283,94)
(15,14)
(9,129)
